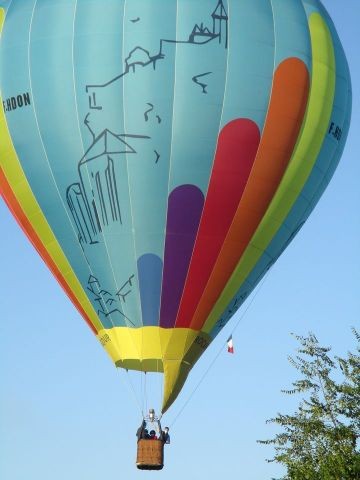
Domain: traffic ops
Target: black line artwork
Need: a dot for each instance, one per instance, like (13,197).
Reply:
(195,79)
(146,113)
(104,299)
(149,110)
(201,34)
(124,124)
(233,307)
(141,57)
(92,102)
(94,200)
(125,289)
(87,124)
(220,22)
(236,304)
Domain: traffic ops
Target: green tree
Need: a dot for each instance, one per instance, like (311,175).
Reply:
(320,440)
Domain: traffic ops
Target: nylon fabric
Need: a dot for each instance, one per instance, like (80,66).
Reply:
(160,156)
(307,149)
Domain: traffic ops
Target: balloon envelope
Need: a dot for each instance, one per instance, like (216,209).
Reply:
(161,155)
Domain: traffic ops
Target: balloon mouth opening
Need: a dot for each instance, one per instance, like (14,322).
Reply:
(154,365)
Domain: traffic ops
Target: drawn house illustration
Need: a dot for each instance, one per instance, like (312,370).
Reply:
(94,201)
(201,34)
(220,22)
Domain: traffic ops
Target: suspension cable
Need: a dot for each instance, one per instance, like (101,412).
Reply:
(142,393)
(220,349)
(129,383)
(145,392)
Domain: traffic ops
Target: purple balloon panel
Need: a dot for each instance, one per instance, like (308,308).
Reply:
(184,212)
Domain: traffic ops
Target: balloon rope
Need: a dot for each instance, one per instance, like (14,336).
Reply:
(141,393)
(158,388)
(133,391)
(145,393)
(161,388)
(221,349)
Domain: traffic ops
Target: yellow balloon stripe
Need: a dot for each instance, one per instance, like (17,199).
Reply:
(21,189)
(2,18)
(306,151)
(172,351)
(144,344)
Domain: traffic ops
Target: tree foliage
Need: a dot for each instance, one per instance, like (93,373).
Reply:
(320,440)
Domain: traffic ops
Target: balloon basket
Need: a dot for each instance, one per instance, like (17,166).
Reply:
(150,454)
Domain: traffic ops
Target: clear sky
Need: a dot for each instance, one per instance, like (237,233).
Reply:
(67,413)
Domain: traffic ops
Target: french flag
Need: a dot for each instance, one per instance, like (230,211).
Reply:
(230,345)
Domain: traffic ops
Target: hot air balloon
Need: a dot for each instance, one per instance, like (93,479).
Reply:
(161,155)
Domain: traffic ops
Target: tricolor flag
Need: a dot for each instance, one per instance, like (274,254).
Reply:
(230,344)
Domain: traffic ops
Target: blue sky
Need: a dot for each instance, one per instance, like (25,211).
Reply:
(67,413)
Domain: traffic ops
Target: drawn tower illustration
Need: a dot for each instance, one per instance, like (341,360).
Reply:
(94,201)
(220,22)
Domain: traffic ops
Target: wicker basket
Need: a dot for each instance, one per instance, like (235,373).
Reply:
(150,454)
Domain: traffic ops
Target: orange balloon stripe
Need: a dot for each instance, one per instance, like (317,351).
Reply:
(26,226)
(287,107)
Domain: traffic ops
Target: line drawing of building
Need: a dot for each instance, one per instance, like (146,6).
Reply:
(201,34)
(94,200)
(220,21)
(140,57)
(104,300)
